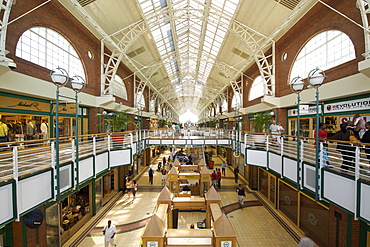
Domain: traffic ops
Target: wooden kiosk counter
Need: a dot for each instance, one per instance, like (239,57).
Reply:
(218,233)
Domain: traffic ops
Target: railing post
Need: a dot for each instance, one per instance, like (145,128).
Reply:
(357,176)
(15,176)
(94,145)
(109,141)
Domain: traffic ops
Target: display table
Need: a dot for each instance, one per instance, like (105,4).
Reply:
(189,203)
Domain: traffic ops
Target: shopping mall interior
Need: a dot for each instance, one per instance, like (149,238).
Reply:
(225,123)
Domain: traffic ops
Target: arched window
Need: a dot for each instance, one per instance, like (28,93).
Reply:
(257,88)
(49,49)
(224,106)
(152,105)
(236,101)
(140,102)
(325,50)
(119,87)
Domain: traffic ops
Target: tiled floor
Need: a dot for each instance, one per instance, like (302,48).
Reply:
(254,225)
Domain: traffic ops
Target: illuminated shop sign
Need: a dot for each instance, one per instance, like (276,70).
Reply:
(351,105)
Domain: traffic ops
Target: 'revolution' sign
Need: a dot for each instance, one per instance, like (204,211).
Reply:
(351,105)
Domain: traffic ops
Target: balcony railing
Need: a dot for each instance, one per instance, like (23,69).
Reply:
(19,159)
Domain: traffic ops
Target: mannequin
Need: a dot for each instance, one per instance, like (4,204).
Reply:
(44,129)
(30,130)
(3,132)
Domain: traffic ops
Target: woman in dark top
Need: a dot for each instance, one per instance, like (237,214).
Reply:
(366,139)
(347,150)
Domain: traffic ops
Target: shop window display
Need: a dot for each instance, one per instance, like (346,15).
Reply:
(74,208)
(25,127)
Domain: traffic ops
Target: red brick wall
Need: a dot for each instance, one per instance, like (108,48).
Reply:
(343,228)
(53,15)
(17,234)
(318,19)
(30,233)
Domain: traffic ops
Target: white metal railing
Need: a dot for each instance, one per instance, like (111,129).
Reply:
(26,157)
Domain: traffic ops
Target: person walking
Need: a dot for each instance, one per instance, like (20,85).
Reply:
(274,129)
(164,172)
(109,232)
(128,187)
(214,178)
(223,166)
(134,189)
(236,174)
(219,178)
(241,193)
(151,174)
(348,151)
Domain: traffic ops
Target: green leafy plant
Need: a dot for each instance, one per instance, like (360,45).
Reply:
(162,123)
(117,120)
(260,121)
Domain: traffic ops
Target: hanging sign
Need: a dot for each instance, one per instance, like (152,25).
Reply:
(306,110)
(350,105)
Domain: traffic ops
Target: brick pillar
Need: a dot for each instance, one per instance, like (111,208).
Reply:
(339,228)
(94,121)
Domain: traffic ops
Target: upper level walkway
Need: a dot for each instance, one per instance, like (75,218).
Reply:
(340,175)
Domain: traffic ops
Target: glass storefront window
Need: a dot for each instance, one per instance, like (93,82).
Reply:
(98,193)
(74,208)
(52,226)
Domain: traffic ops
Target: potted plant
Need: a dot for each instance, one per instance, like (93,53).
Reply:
(117,122)
(260,122)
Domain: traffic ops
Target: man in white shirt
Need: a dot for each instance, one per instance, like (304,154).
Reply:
(274,129)
(109,231)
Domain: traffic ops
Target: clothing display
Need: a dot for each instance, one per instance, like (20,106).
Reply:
(3,132)
(44,130)
(30,130)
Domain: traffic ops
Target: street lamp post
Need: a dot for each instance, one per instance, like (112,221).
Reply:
(297,85)
(315,78)
(236,109)
(60,78)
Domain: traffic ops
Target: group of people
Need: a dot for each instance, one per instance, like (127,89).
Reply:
(131,187)
(277,130)
(357,128)
(216,178)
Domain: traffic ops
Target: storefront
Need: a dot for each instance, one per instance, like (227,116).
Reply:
(29,118)
(333,113)
(75,211)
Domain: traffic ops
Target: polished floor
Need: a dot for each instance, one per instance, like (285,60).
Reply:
(254,224)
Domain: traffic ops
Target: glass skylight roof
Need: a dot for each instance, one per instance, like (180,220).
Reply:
(188,43)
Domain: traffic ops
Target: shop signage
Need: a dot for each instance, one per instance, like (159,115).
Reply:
(189,241)
(152,244)
(189,176)
(23,104)
(66,108)
(305,110)
(351,105)
(226,243)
